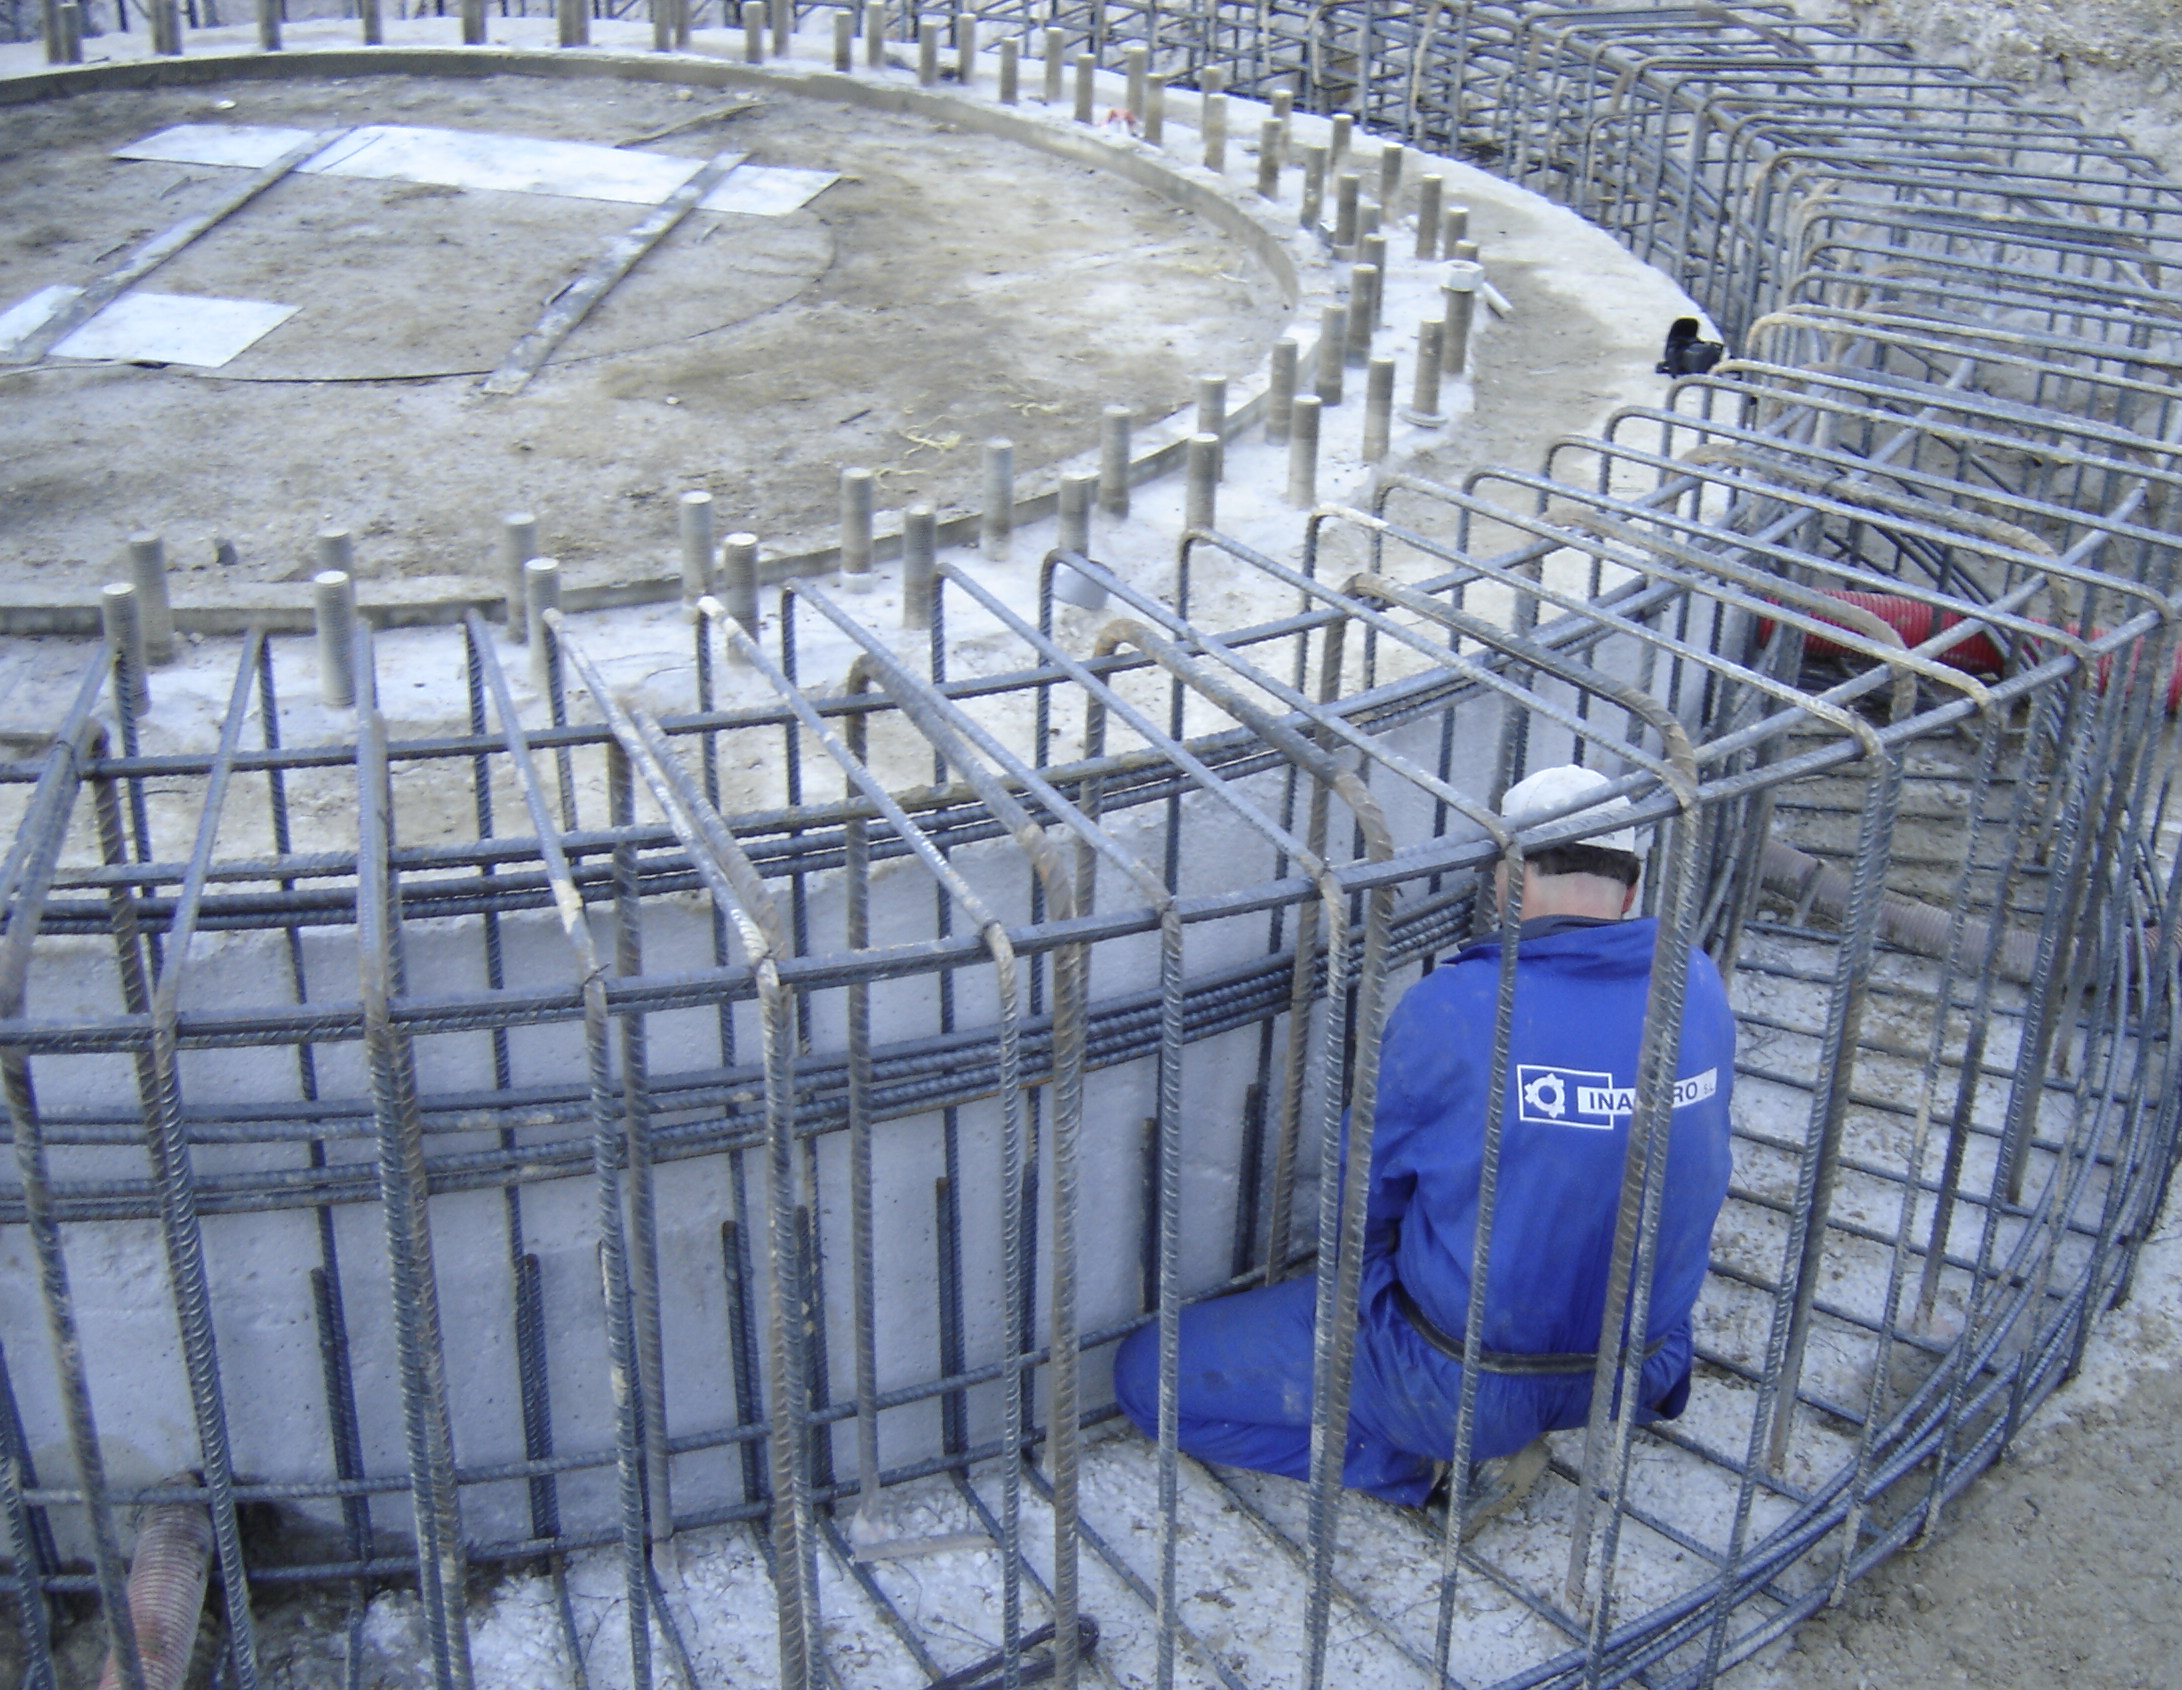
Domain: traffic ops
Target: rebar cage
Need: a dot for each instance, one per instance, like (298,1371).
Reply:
(765,1113)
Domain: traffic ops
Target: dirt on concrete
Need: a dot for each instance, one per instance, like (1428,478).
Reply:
(2061,1567)
(948,288)
(2117,64)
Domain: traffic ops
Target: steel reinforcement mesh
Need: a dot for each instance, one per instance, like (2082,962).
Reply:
(764,1118)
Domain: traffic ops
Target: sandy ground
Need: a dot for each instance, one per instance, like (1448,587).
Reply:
(2062,1566)
(2114,63)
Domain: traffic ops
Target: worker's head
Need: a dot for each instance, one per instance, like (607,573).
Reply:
(1594,877)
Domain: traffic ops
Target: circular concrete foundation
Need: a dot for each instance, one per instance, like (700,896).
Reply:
(947,285)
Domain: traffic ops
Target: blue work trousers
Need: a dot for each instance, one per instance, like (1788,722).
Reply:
(1245,1390)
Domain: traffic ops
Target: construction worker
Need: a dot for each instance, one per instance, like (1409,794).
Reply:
(1583,972)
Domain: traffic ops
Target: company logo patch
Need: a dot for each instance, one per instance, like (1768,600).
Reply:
(1578,1097)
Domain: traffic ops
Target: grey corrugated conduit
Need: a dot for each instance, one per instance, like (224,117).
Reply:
(167,1579)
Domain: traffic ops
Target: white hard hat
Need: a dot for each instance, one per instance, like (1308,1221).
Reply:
(1556,791)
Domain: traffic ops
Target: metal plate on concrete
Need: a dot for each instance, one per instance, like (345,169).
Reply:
(768,190)
(465,158)
(517,164)
(27,316)
(173,328)
(250,145)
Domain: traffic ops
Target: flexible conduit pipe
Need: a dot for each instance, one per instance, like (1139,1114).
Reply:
(167,1577)
(1902,921)
(1917,622)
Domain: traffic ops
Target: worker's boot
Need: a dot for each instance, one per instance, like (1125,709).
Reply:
(1494,1487)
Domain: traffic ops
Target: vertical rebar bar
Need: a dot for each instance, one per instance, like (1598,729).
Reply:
(1212,414)
(518,545)
(739,580)
(1345,201)
(1202,504)
(1312,211)
(1363,278)
(1079,488)
(1458,292)
(920,552)
(1378,409)
(1280,392)
(148,574)
(694,511)
(1303,451)
(335,549)
(541,594)
(333,602)
(996,514)
(1424,405)
(857,510)
(1086,77)
(1333,337)
(1115,423)
(122,621)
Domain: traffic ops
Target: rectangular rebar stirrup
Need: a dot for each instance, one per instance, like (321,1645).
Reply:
(1707,575)
(404,1197)
(621,254)
(1552,661)
(26,882)
(1014,1138)
(738,890)
(1333,723)
(1637,1223)
(159,1088)
(2126,465)
(1101,698)
(1343,1185)
(862,673)
(1731,447)
(936,717)
(1610,1445)
(1916,519)
(606,1153)
(1735,583)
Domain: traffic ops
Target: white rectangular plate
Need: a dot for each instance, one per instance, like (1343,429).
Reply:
(173,328)
(767,190)
(253,146)
(468,158)
(517,164)
(27,316)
